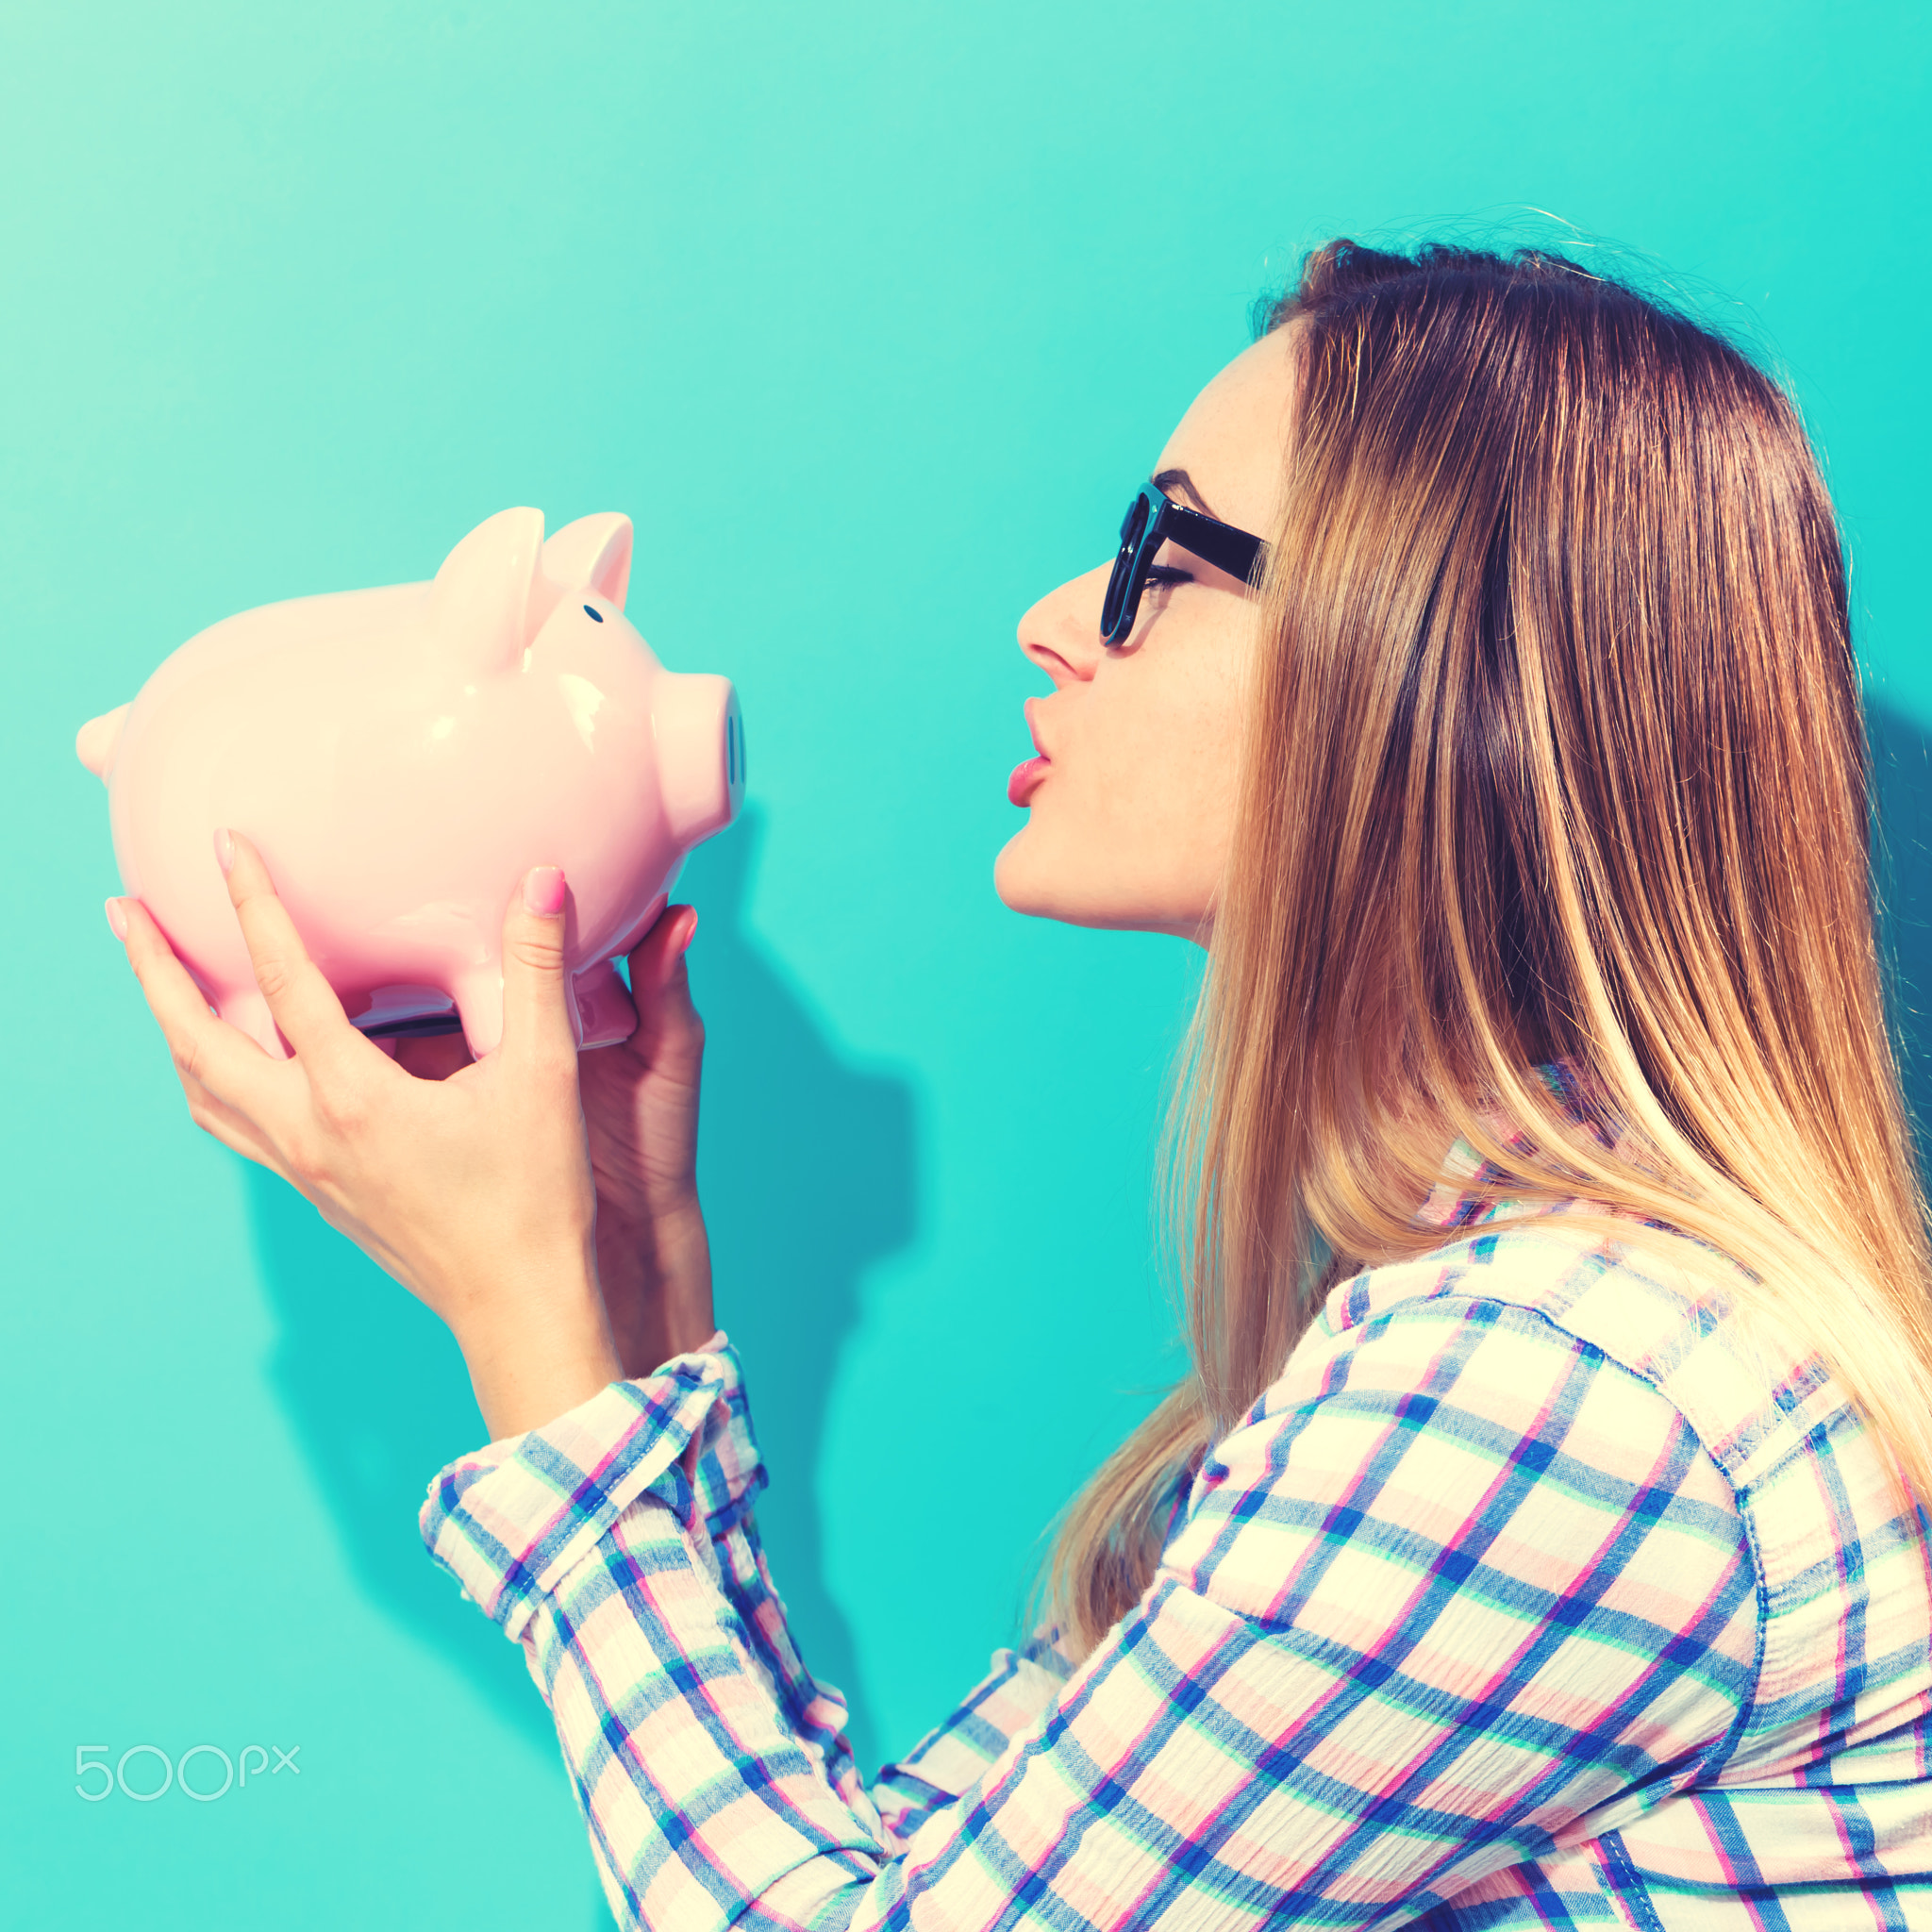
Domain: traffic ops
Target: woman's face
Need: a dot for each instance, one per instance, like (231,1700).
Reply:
(1131,809)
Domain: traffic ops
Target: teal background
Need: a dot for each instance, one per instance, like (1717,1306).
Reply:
(871,315)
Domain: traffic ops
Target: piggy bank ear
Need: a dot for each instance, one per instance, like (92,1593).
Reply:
(592,554)
(482,595)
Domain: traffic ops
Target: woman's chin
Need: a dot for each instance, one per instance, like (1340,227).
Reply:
(1027,882)
(1016,879)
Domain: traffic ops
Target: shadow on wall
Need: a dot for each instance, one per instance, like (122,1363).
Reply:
(806,1169)
(1901,770)
(809,1171)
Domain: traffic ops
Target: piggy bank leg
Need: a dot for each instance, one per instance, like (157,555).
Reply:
(601,1006)
(601,1010)
(479,995)
(245,1008)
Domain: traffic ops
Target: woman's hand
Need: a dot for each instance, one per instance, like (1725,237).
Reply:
(641,1105)
(641,1110)
(474,1191)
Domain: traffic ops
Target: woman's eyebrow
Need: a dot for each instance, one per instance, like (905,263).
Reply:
(1168,481)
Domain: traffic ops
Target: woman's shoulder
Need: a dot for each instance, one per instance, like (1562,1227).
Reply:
(1623,1368)
(1439,1428)
(1530,1403)
(1654,1305)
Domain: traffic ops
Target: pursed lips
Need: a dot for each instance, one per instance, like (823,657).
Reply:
(1026,775)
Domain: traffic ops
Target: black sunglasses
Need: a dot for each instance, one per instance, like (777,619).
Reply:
(1153,519)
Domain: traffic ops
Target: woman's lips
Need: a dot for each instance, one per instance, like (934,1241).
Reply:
(1020,787)
(1026,778)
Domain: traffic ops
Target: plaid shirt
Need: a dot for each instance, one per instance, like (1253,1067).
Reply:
(1522,1598)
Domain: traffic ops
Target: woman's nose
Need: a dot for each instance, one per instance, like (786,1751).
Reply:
(1061,633)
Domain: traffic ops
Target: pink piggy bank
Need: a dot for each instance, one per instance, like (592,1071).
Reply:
(401,756)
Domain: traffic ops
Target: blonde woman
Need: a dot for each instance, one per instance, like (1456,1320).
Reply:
(1534,1542)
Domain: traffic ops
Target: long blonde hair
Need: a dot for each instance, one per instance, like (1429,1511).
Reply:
(1558,571)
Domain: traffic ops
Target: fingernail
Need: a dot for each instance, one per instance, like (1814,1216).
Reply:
(225,848)
(117,918)
(543,890)
(674,951)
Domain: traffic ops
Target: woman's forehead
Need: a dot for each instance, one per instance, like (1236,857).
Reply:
(1231,440)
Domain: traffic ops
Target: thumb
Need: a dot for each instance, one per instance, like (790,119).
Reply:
(669,1036)
(535,1011)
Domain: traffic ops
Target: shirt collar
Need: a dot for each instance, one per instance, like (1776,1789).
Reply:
(1456,1201)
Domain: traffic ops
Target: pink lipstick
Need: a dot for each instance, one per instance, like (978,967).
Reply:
(1025,776)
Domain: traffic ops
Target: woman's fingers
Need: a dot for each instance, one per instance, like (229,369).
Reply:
(669,1036)
(234,1130)
(221,1057)
(654,960)
(303,1003)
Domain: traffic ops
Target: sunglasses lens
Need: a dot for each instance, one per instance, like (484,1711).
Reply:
(1113,607)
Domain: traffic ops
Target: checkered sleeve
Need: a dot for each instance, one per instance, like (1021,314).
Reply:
(1459,1590)
(958,1753)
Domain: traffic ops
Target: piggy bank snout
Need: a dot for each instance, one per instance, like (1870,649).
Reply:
(700,740)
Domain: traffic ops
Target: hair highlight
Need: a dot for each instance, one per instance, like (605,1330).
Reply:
(1557,569)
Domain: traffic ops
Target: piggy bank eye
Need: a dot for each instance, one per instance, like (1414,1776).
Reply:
(596,615)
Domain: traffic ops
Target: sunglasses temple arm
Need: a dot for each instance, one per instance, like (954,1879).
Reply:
(1226,548)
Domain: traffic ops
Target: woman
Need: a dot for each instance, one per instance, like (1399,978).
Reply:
(1533,1543)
